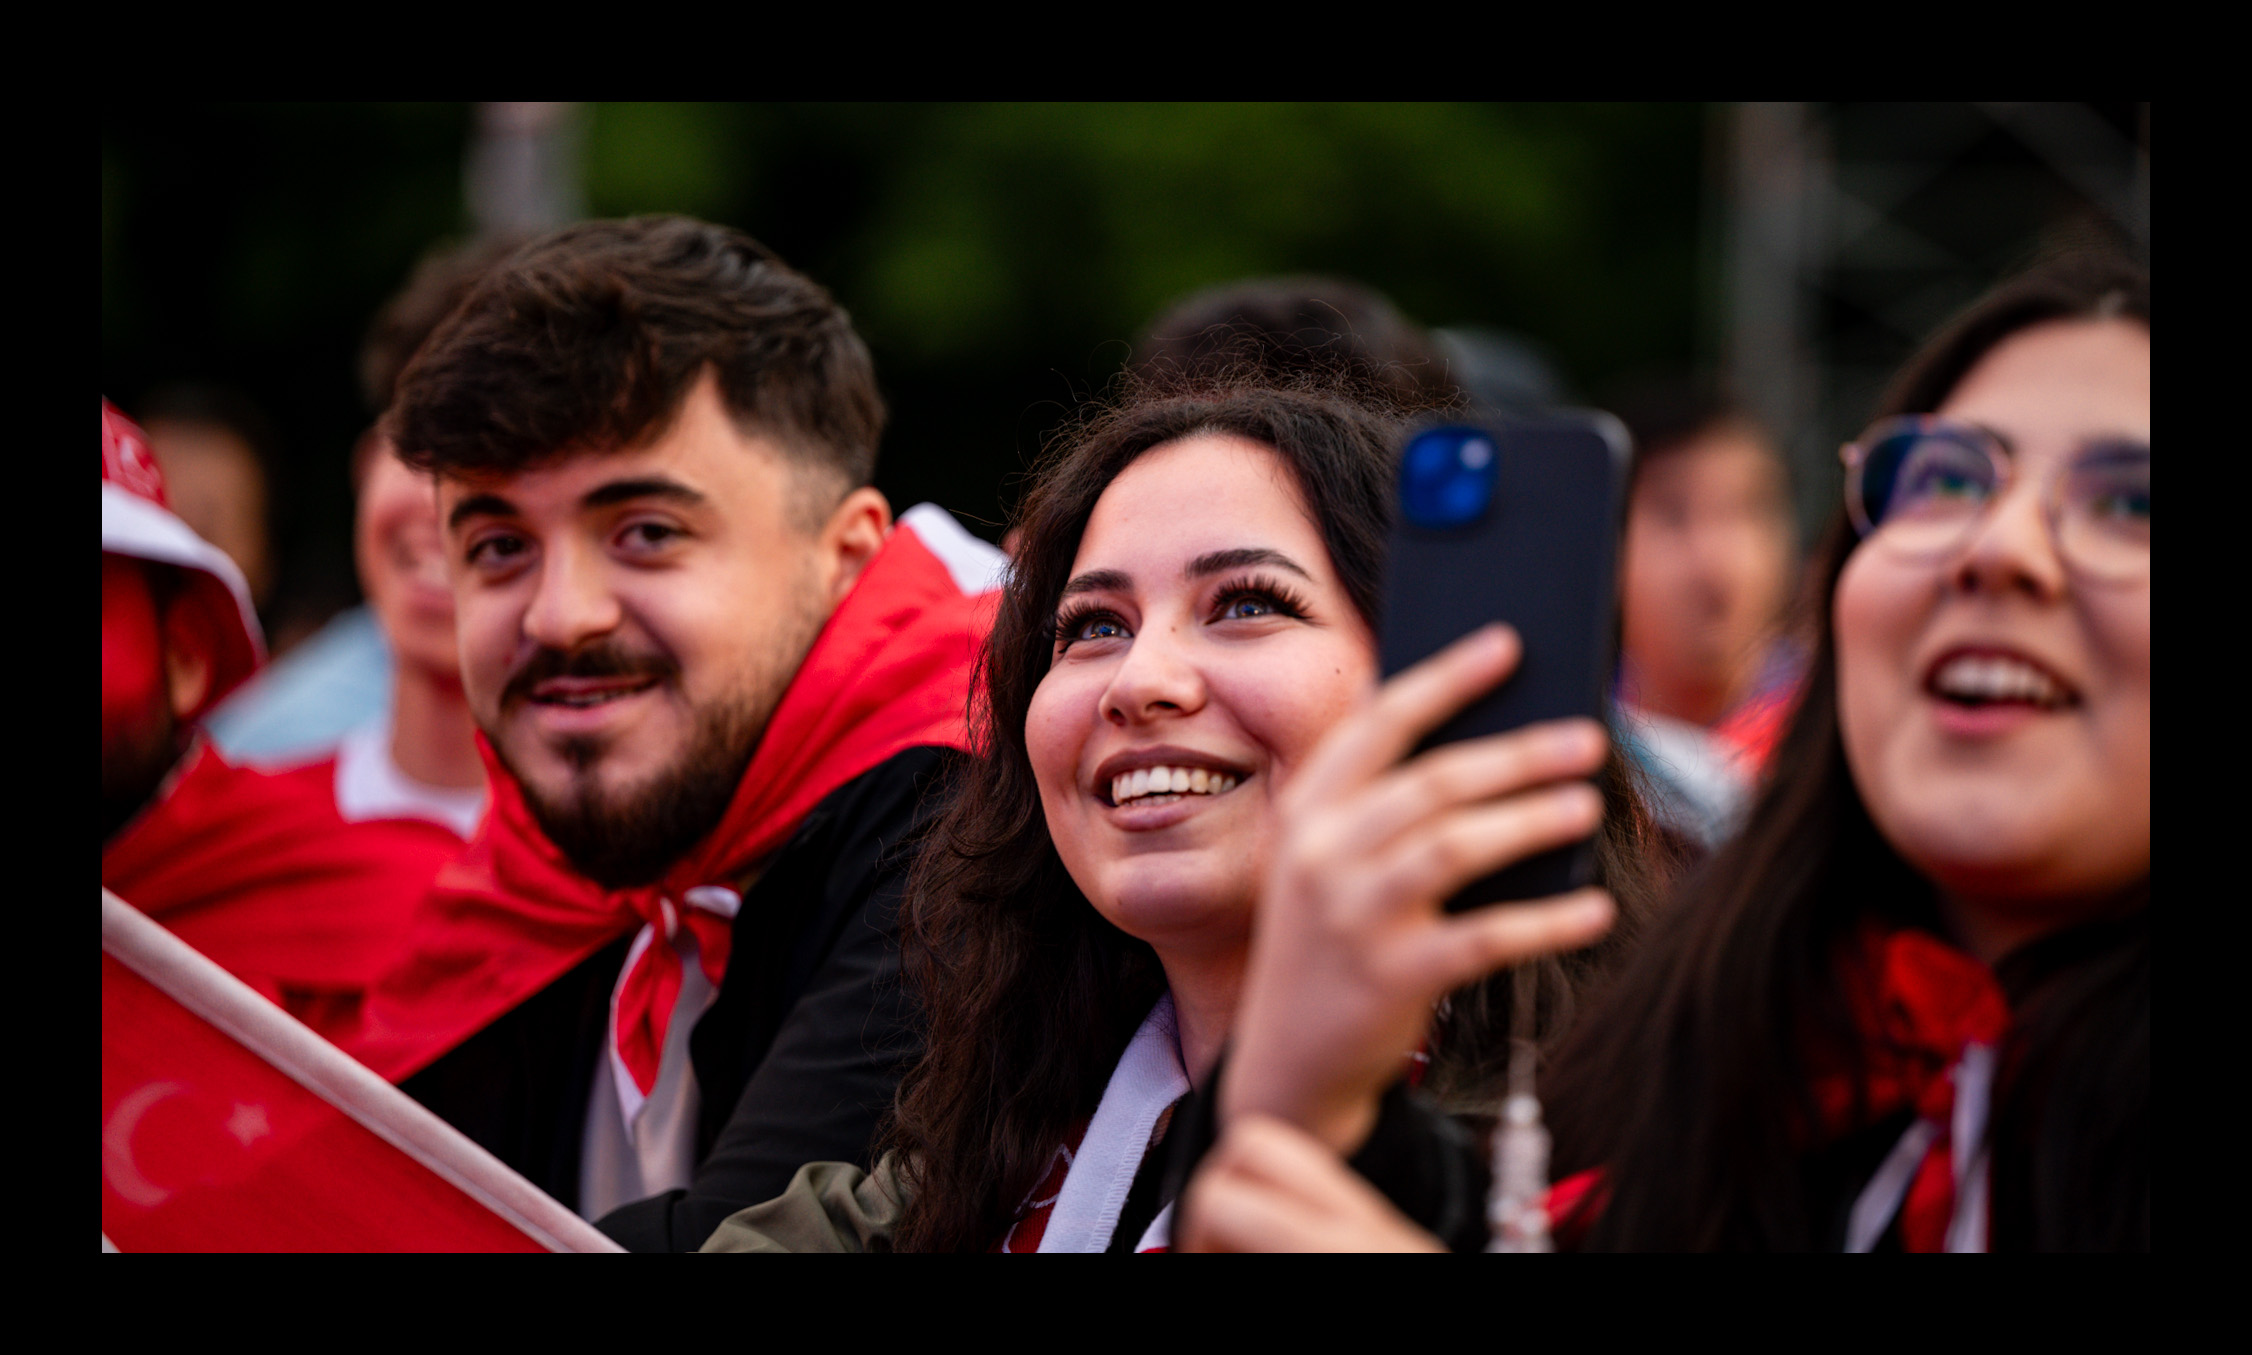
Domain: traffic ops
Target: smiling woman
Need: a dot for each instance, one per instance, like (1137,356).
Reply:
(1190,614)
(1182,653)
(1909,1007)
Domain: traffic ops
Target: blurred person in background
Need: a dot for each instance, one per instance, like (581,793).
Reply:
(216,450)
(1707,673)
(718,690)
(1298,326)
(179,630)
(299,882)
(423,737)
(1908,1007)
(385,670)
(1336,326)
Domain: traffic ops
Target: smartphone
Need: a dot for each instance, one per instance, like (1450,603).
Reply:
(1513,520)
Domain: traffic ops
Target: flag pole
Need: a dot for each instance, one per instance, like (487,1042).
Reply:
(197,983)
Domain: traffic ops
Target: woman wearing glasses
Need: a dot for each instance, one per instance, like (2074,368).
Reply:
(1909,1008)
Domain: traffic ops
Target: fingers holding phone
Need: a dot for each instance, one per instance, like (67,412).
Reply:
(1353,943)
(1515,523)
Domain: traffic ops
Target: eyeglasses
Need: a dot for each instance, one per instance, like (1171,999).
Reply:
(1921,485)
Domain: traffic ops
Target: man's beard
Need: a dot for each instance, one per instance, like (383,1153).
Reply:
(618,837)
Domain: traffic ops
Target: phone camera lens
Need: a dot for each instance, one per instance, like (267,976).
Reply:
(1447,477)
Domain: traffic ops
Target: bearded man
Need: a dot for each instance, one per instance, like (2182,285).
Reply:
(717,691)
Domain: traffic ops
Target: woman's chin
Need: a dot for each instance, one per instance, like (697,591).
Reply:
(1178,904)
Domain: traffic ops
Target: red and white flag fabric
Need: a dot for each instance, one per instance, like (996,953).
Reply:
(227,1125)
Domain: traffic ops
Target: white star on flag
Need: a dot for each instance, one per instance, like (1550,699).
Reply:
(248,1123)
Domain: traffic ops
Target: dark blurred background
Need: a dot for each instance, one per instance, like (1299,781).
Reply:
(1001,259)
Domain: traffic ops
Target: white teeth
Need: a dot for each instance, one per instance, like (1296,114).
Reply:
(1168,781)
(579,700)
(1973,677)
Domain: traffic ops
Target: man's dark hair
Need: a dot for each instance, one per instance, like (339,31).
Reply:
(439,282)
(590,338)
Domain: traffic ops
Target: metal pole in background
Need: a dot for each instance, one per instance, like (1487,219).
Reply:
(1776,165)
(1852,230)
(522,174)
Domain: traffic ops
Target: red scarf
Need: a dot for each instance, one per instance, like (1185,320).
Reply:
(1919,1003)
(890,671)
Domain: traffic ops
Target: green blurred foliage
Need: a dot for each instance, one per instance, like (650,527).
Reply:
(1000,258)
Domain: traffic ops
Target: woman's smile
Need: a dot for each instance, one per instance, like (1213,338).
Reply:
(1154,778)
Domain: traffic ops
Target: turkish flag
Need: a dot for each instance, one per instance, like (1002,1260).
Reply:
(229,1126)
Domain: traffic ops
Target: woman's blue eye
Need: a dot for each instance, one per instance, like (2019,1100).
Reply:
(1245,607)
(1070,630)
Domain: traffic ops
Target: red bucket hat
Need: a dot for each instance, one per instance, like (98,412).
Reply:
(138,522)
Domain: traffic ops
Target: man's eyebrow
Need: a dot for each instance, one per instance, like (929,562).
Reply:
(479,505)
(654,487)
(1220,561)
(1100,581)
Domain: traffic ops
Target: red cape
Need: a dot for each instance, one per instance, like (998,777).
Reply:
(260,872)
(890,671)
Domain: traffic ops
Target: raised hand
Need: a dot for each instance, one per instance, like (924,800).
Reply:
(1353,946)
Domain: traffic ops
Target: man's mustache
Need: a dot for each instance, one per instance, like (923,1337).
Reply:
(598,661)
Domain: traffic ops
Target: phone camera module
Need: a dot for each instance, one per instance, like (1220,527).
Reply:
(1447,477)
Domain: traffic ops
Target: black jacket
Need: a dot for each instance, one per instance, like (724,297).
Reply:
(796,1059)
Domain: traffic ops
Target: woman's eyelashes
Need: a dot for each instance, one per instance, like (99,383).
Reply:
(1256,596)
(1245,599)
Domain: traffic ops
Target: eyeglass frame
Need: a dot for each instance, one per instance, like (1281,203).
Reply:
(1855,455)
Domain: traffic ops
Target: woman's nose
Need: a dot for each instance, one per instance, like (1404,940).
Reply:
(2012,548)
(573,602)
(1158,678)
